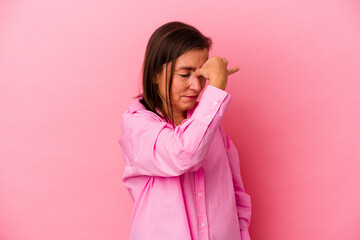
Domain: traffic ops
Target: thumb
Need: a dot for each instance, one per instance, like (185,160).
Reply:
(233,70)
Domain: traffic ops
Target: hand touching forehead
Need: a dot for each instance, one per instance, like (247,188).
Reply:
(191,60)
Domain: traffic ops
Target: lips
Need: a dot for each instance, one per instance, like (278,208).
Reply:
(192,97)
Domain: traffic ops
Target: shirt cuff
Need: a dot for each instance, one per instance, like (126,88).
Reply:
(212,105)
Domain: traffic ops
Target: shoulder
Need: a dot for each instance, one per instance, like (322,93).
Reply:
(137,116)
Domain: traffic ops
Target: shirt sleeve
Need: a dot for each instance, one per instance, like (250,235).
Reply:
(154,148)
(243,200)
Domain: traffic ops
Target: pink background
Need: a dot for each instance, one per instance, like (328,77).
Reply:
(68,69)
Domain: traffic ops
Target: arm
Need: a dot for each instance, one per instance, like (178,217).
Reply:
(152,147)
(243,200)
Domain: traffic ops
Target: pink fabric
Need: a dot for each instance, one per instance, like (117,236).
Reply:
(185,182)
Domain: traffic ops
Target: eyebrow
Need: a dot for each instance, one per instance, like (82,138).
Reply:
(186,68)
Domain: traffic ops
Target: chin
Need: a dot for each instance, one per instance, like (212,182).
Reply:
(189,106)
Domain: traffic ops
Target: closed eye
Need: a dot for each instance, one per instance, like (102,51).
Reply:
(184,75)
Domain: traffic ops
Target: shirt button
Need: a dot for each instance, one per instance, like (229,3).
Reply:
(203,224)
(214,102)
(208,116)
(200,194)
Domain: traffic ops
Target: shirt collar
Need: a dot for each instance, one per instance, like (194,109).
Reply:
(136,105)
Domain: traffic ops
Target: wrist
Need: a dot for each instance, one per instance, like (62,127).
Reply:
(220,86)
(219,82)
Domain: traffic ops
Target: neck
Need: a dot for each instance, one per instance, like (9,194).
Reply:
(179,117)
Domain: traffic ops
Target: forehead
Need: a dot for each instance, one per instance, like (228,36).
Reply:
(192,59)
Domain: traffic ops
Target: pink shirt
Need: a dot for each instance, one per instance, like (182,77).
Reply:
(185,182)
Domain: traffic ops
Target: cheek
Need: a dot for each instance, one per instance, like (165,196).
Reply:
(178,87)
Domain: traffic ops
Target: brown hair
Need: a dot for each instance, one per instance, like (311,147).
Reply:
(165,45)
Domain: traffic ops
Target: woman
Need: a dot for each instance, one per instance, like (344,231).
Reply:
(181,169)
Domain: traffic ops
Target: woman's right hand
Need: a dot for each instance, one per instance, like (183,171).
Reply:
(215,69)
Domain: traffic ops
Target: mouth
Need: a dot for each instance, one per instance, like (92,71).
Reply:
(192,97)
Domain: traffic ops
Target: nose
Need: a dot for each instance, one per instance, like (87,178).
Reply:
(195,83)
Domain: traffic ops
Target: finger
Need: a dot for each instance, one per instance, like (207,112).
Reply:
(225,61)
(233,70)
(198,72)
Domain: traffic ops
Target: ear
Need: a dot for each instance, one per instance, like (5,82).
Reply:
(159,75)
(156,79)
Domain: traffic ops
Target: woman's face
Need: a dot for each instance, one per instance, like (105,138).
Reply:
(186,85)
